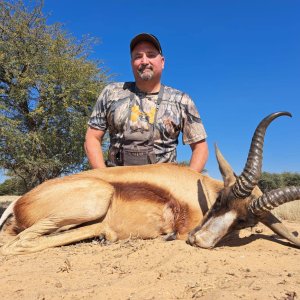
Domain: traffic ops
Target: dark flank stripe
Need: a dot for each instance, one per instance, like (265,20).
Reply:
(155,194)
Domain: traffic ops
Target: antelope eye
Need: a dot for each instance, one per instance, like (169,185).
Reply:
(217,206)
(241,221)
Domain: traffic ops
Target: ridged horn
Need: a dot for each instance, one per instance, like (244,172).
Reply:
(276,226)
(274,198)
(249,178)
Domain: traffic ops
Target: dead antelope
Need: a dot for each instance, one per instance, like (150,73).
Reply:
(145,202)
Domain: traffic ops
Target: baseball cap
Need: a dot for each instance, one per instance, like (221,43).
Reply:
(145,37)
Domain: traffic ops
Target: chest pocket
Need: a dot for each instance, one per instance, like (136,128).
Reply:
(169,120)
(117,115)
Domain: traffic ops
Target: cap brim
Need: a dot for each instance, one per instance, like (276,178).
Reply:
(145,37)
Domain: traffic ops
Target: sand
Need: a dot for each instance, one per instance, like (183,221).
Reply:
(252,264)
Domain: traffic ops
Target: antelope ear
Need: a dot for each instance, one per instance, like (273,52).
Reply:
(225,169)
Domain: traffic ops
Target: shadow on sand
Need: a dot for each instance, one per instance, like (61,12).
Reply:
(234,240)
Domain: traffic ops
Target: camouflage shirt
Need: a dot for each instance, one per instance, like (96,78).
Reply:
(176,113)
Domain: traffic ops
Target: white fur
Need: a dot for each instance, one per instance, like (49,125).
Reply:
(9,211)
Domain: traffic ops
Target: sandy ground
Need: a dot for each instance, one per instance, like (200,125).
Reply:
(254,264)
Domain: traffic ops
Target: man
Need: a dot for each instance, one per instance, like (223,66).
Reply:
(144,118)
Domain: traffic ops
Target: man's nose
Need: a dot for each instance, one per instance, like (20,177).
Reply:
(144,59)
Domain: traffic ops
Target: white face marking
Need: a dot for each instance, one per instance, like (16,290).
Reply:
(219,223)
(214,229)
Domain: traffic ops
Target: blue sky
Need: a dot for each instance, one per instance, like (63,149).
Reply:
(238,60)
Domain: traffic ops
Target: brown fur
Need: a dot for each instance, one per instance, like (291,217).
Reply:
(182,219)
(140,202)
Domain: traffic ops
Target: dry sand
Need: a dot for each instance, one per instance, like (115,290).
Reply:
(252,265)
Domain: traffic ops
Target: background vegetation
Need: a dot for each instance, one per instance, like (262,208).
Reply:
(271,181)
(48,86)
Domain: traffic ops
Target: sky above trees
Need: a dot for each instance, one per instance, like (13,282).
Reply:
(238,60)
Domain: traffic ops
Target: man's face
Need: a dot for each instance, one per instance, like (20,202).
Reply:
(146,62)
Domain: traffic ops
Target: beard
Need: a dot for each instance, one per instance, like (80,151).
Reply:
(145,72)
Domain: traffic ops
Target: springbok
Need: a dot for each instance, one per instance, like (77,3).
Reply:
(145,202)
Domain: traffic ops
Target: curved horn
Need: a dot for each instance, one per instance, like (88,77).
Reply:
(246,182)
(274,198)
(276,226)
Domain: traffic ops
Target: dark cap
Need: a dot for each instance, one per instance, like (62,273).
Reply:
(145,37)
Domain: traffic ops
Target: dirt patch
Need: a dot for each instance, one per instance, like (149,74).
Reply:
(255,264)
(7,199)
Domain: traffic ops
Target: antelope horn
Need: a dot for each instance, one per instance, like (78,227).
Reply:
(274,198)
(276,226)
(261,206)
(249,178)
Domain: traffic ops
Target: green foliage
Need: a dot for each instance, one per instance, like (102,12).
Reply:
(271,181)
(48,87)
(12,186)
(184,163)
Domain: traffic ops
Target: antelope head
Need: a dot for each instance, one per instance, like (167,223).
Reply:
(240,203)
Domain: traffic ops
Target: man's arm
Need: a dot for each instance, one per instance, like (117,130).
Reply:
(199,155)
(93,148)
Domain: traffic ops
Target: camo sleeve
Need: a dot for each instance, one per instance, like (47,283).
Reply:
(192,128)
(98,117)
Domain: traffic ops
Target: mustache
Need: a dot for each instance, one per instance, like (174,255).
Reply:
(145,67)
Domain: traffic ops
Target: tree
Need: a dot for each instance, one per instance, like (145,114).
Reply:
(271,181)
(48,86)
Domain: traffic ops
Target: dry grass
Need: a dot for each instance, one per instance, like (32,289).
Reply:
(288,211)
(8,198)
